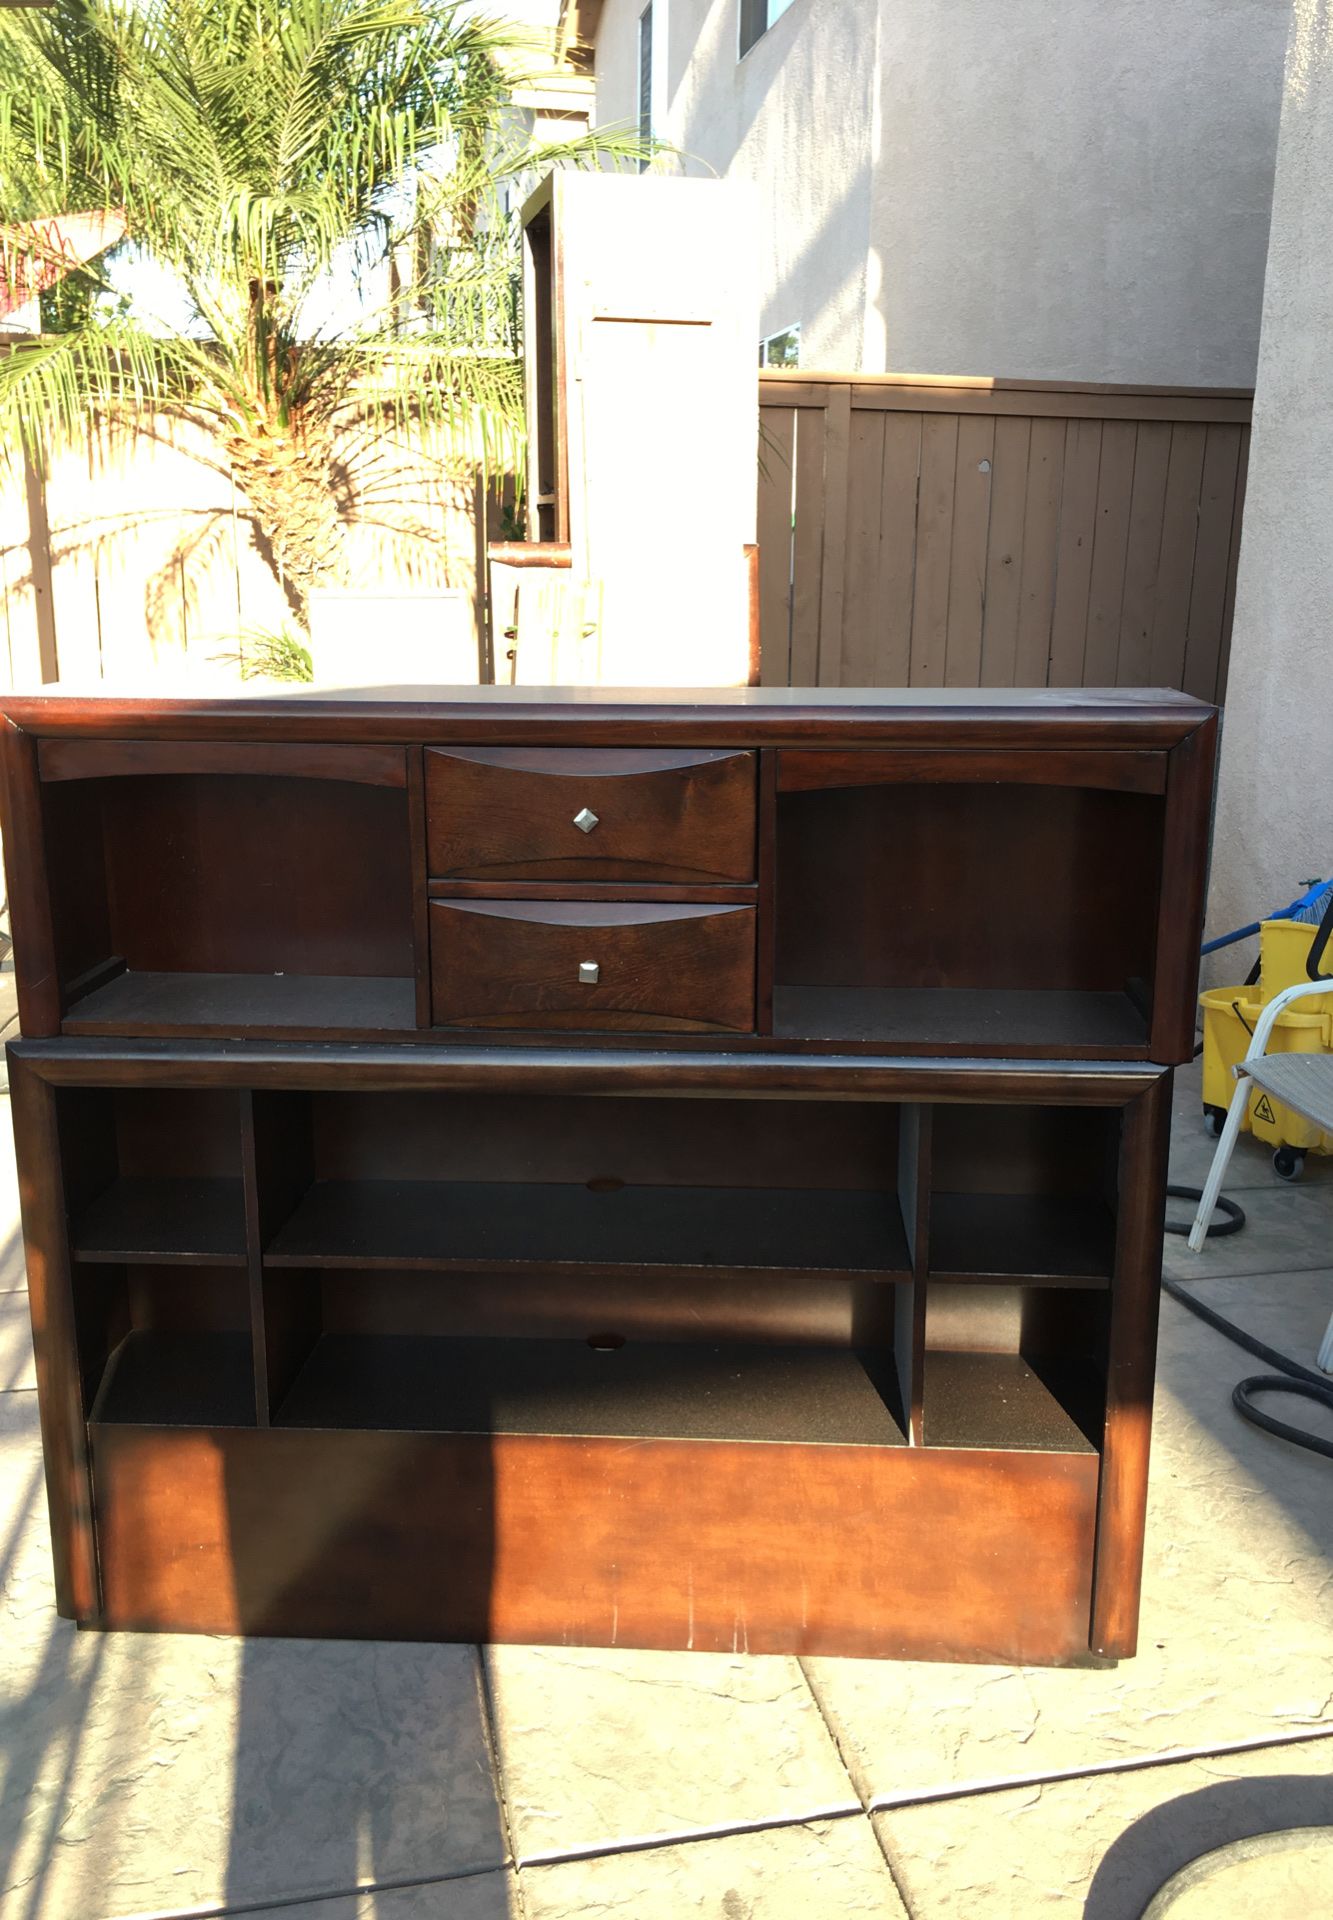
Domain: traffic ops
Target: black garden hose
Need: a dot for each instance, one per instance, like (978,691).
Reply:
(1292,1377)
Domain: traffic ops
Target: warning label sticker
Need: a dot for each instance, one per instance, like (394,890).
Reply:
(1264,1110)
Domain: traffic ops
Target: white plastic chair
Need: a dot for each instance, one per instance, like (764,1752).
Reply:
(1302,1081)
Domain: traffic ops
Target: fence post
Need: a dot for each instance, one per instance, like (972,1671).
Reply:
(39,567)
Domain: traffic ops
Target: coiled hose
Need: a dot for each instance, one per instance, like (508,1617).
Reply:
(1292,1378)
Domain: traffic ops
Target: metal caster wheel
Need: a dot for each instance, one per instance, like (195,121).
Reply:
(1288,1164)
(1214,1119)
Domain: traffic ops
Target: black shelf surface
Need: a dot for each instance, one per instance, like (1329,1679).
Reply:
(222,1004)
(178,1380)
(476,1226)
(1058,1239)
(200,1222)
(643,1390)
(984,1018)
(995,1401)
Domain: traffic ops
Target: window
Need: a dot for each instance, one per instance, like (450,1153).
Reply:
(645,78)
(757,16)
(781,349)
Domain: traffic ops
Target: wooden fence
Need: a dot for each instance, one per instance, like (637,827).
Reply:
(922,532)
(135,559)
(911,531)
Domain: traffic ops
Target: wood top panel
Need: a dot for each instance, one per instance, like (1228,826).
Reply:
(719,716)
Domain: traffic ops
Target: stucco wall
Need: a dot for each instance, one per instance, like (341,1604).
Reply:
(1275,803)
(956,186)
(793,117)
(1077,192)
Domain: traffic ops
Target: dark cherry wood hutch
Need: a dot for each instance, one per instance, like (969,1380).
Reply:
(673,1170)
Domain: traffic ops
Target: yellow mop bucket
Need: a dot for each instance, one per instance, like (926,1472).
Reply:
(1230,1015)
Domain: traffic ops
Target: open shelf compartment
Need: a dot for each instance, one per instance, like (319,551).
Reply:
(1024,1193)
(991,917)
(250,897)
(600,1187)
(153,1176)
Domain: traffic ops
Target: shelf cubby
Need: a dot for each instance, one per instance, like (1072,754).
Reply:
(1014,1368)
(717,1190)
(166,1348)
(153,1176)
(1024,1193)
(269,891)
(577,1387)
(174,1378)
(992,917)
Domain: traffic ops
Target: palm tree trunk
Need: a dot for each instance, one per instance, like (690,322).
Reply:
(290,487)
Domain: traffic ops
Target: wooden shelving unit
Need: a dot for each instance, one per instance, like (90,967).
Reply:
(508,1168)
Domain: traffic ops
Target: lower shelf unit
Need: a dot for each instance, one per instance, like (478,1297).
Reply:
(840,1357)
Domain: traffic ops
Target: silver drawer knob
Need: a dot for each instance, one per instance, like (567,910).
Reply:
(589,973)
(585,819)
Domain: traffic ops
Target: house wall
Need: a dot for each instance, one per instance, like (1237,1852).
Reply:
(1275,802)
(953,186)
(793,118)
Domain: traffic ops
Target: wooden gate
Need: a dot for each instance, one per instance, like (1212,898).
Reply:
(926,532)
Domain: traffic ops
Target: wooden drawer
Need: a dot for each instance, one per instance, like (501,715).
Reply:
(595,813)
(517,963)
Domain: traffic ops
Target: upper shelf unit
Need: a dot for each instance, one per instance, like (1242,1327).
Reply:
(1006,877)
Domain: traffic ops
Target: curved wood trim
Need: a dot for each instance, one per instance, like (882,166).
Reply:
(366,766)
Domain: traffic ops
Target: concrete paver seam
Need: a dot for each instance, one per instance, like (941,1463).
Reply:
(490,1729)
(688,1837)
(299,1901)
(1172,1757)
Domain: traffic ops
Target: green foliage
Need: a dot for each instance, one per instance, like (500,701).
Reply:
(256,145)
(269,653)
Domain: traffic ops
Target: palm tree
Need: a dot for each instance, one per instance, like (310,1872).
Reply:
(262,152)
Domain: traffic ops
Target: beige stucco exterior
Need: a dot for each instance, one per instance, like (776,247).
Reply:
(1275,801)
(956,186)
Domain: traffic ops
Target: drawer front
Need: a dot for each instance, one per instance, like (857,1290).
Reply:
(511,963)
(597,813)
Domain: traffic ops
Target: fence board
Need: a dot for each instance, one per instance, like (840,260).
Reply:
(807,548)
(865,498)
(1099,548)
(1008,510)
(1073,559)
(1217,501)
(1106,585)
(1180,523)
(777,448)
(934,549)
(1143,554)
(967,573)
(891,617)
(1233,563)
(1041,537)
(837,436)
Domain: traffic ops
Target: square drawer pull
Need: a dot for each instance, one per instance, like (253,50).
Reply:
(589,973)
(585,819)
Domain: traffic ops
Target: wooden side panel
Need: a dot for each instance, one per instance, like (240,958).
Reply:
(55,1341)
(1135,1294)
(710,1546)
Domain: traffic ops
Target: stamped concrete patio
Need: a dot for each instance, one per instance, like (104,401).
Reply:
(163,1775)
